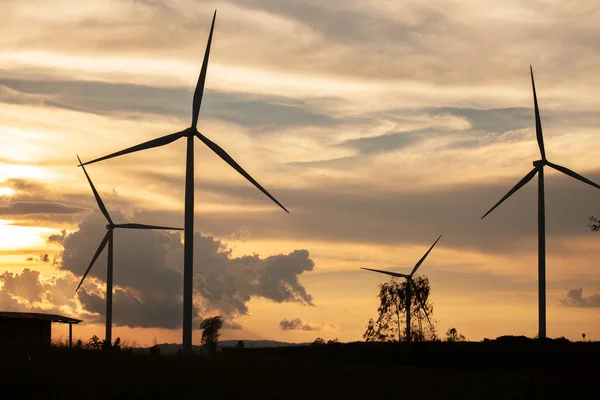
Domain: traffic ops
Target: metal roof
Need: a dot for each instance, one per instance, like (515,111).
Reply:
(40,317)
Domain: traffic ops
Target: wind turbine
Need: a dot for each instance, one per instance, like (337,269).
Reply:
(108,238)
(189,134)
(538,168)
(409,286)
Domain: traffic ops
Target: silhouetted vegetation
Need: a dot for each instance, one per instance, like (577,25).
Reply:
(506,368)
(211,330)
(452,335)
(318,341)
(389,326)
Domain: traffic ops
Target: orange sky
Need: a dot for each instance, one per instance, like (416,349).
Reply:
(380,125)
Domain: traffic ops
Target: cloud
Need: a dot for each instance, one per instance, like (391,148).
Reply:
(57,238)
(575,298)
(298,325)
(129,99)
(42,258)
(404,214)
(148,275)
(28,208)
(27,291)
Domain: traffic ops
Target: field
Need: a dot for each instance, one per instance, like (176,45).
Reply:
(509,369)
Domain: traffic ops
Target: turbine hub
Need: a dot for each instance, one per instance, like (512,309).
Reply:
(109,226)
(191,131)
(539,163)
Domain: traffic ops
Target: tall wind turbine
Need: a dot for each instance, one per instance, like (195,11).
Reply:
(409,286)
(189,134)
(108,238)
(538,168)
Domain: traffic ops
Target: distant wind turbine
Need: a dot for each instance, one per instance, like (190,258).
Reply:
(190,133)
(409,286)
(108,238)
(538,168)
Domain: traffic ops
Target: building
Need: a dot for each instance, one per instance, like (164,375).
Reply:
(31,328)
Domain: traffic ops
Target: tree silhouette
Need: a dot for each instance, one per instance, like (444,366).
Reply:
(211,328)
(318,341)
(390,324)
(452,335)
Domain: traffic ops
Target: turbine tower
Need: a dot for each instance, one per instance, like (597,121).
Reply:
(108,238)
(538,168)
(409,286)
(189,134)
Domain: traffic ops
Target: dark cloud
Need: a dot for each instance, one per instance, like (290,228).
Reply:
(253,111)
(28,208)
(493,120)
(362,213)
(42,258)
(298,325)
(57,238)
(575,298)
(148,275)
(388,142)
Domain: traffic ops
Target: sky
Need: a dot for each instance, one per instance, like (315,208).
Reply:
(379,124)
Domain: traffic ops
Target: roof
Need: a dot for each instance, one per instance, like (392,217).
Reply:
(39,317)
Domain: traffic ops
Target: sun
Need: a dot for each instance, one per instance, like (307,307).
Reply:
(20,237)
(6,191)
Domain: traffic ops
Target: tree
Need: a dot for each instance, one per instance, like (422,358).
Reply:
(211,328)
(318,341)
(452,335)
(390,325)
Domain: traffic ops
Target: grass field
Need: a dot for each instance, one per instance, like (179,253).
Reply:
(495,370)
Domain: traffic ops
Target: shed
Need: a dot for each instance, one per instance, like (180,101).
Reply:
(31,328)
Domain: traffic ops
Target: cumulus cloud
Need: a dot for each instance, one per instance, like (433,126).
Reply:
(298,325)
(148,275)
(28,291)
(57,238)
(575,298)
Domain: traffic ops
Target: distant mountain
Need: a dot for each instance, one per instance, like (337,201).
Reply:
(173,348)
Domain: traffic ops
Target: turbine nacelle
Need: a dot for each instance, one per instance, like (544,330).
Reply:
(540,163)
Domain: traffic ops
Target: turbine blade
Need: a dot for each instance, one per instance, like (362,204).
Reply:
(142,226)
(416,292)
(538,120)
(396,274)
(227,158)
(518,186)
(161,141)
(96,195)
(418,264)
(573,174)
(197,102)
(100,248)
